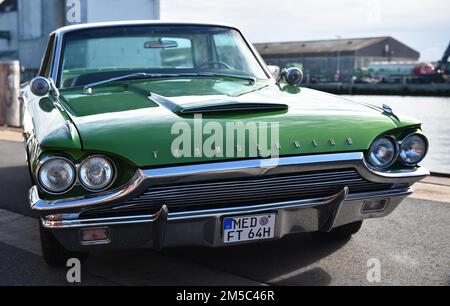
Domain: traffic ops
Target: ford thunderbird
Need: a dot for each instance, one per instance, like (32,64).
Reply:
(155,134)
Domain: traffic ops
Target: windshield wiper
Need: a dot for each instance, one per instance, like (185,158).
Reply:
(251,80)
(144,75)
(133,76)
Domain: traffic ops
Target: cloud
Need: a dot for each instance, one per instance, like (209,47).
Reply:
(422,24)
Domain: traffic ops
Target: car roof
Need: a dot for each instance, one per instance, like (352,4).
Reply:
(84,26)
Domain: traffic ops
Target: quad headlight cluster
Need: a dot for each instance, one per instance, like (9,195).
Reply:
(59,174)
(385,150)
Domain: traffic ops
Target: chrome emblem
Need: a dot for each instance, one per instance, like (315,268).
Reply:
(315,143)
(155,154)
(264,221)
(349,141)
(297,144)
(332,142)
(387,109)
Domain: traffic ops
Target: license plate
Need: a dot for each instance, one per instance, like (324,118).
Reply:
(237,229)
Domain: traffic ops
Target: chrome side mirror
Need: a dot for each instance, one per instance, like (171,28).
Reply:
(41,86)
(293,76)
(274,70)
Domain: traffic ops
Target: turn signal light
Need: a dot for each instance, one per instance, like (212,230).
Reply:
(374,206)
(91,235)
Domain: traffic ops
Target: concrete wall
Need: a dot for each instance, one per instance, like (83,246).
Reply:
(82,11)
(8,49)
(133,10)
(36,22)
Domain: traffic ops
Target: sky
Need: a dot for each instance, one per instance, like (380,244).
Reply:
(422,25)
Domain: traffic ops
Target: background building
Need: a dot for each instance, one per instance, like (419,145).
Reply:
(324,59)
(26,24)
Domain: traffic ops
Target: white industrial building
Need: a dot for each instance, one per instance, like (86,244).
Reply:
(25,25)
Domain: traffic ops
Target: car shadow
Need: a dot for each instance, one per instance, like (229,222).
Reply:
(286,262)
(282,262)
(15,183)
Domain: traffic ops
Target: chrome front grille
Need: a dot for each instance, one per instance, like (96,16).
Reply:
(243,192)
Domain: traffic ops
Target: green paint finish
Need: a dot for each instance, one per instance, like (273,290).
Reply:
(123,122)
(320,122)
(104,102)
(51,126)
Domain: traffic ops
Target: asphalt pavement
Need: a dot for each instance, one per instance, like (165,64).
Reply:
(412,247)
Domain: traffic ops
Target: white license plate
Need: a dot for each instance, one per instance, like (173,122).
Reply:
(237,229)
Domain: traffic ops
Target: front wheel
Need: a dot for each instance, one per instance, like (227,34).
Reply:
(54,253)
(345,231)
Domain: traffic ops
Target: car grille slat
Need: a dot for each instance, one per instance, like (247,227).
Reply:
(240,189)
(243,192)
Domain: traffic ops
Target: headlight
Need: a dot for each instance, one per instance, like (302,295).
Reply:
(96,173)
(56,175)
(413,149)
(382,152)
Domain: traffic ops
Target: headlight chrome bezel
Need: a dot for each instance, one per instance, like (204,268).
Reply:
(76,181)
(398,148)
(48,159)
(394,141)
(400,143)
(113,176)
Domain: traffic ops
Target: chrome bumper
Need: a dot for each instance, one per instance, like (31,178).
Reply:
(204,228)
(166,229)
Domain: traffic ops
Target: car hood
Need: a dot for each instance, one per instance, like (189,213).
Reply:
(139,121)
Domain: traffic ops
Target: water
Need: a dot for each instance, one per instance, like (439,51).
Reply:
(434,112)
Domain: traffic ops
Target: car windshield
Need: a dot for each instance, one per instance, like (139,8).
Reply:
(95,55)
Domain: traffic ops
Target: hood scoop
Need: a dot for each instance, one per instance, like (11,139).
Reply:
(217,106)
(233,106)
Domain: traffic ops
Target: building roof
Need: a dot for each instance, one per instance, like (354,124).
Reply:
(318,46)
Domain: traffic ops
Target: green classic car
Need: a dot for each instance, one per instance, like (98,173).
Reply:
(156,134)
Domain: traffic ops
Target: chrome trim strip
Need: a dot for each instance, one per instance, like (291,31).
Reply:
(251,209)
(233,169)
(193,215)
(99,199)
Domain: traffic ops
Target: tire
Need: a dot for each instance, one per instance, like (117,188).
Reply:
(346,231)
(54,253)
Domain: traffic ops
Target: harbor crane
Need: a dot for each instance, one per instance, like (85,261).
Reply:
(443,66)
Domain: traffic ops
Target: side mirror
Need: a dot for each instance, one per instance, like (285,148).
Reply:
(40,86)
(293,76)
(274,70)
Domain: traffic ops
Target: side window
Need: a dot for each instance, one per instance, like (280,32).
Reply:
(46,64)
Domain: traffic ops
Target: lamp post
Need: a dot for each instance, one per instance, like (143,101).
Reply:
(338,59)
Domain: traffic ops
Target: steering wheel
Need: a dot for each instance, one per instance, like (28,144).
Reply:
(215,62)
